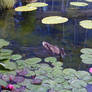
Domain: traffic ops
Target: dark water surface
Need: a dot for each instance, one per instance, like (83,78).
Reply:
(26,32)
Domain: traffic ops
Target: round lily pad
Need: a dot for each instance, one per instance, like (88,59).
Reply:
(88,0)
(16,57)
(10,65)
(37,4)
(6,51)
(78,3)
(25,9)
(50,59)
(54,20)
(87,24)
(32,61)
(69,71)
(86,51)
(2,82)
(83,75)
(86,57)
(78,83)
(3,43)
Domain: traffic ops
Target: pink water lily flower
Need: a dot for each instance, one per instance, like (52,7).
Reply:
(90,70)
(10,86)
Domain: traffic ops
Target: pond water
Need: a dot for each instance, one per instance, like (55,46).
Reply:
(26,32)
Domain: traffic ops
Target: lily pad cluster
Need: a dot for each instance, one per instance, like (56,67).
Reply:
(49,75)
(86,55)
(30,7)
(40,75)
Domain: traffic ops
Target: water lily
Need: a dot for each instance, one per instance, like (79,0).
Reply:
(10,86)
(90,70)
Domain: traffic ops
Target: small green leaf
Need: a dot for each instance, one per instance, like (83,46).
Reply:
(50,59)
(2,82)
(16,57)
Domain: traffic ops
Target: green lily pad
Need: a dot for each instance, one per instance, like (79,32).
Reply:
(65,90)
(69,71)
(87,61)
(54,20)
(83,75)
(10,65)
(37,4)
(57,64)
(50,59)
(86,51)
(32,61)
(79,90)
(78,83)
(16,57)
(3,43)
(78,3)
(2,82)
(87,24)
(86,56)
(6,52)
(25,9)
(88,0)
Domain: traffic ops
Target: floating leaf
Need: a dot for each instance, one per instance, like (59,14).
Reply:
(78,83)
(10,65)
(50,59)
(16,57)
(79,90)
(69,71)
(78,3)
(54,20)
(86,57)
(32,61)
(25,8)
(87,24)
(2,82)
(86,51)
(3,43)
(83,75)
(37,4)
(89,0)
(6,52)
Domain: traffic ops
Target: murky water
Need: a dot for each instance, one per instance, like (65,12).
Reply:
(26,32)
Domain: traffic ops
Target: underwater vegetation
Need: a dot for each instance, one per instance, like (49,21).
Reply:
(38,75)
